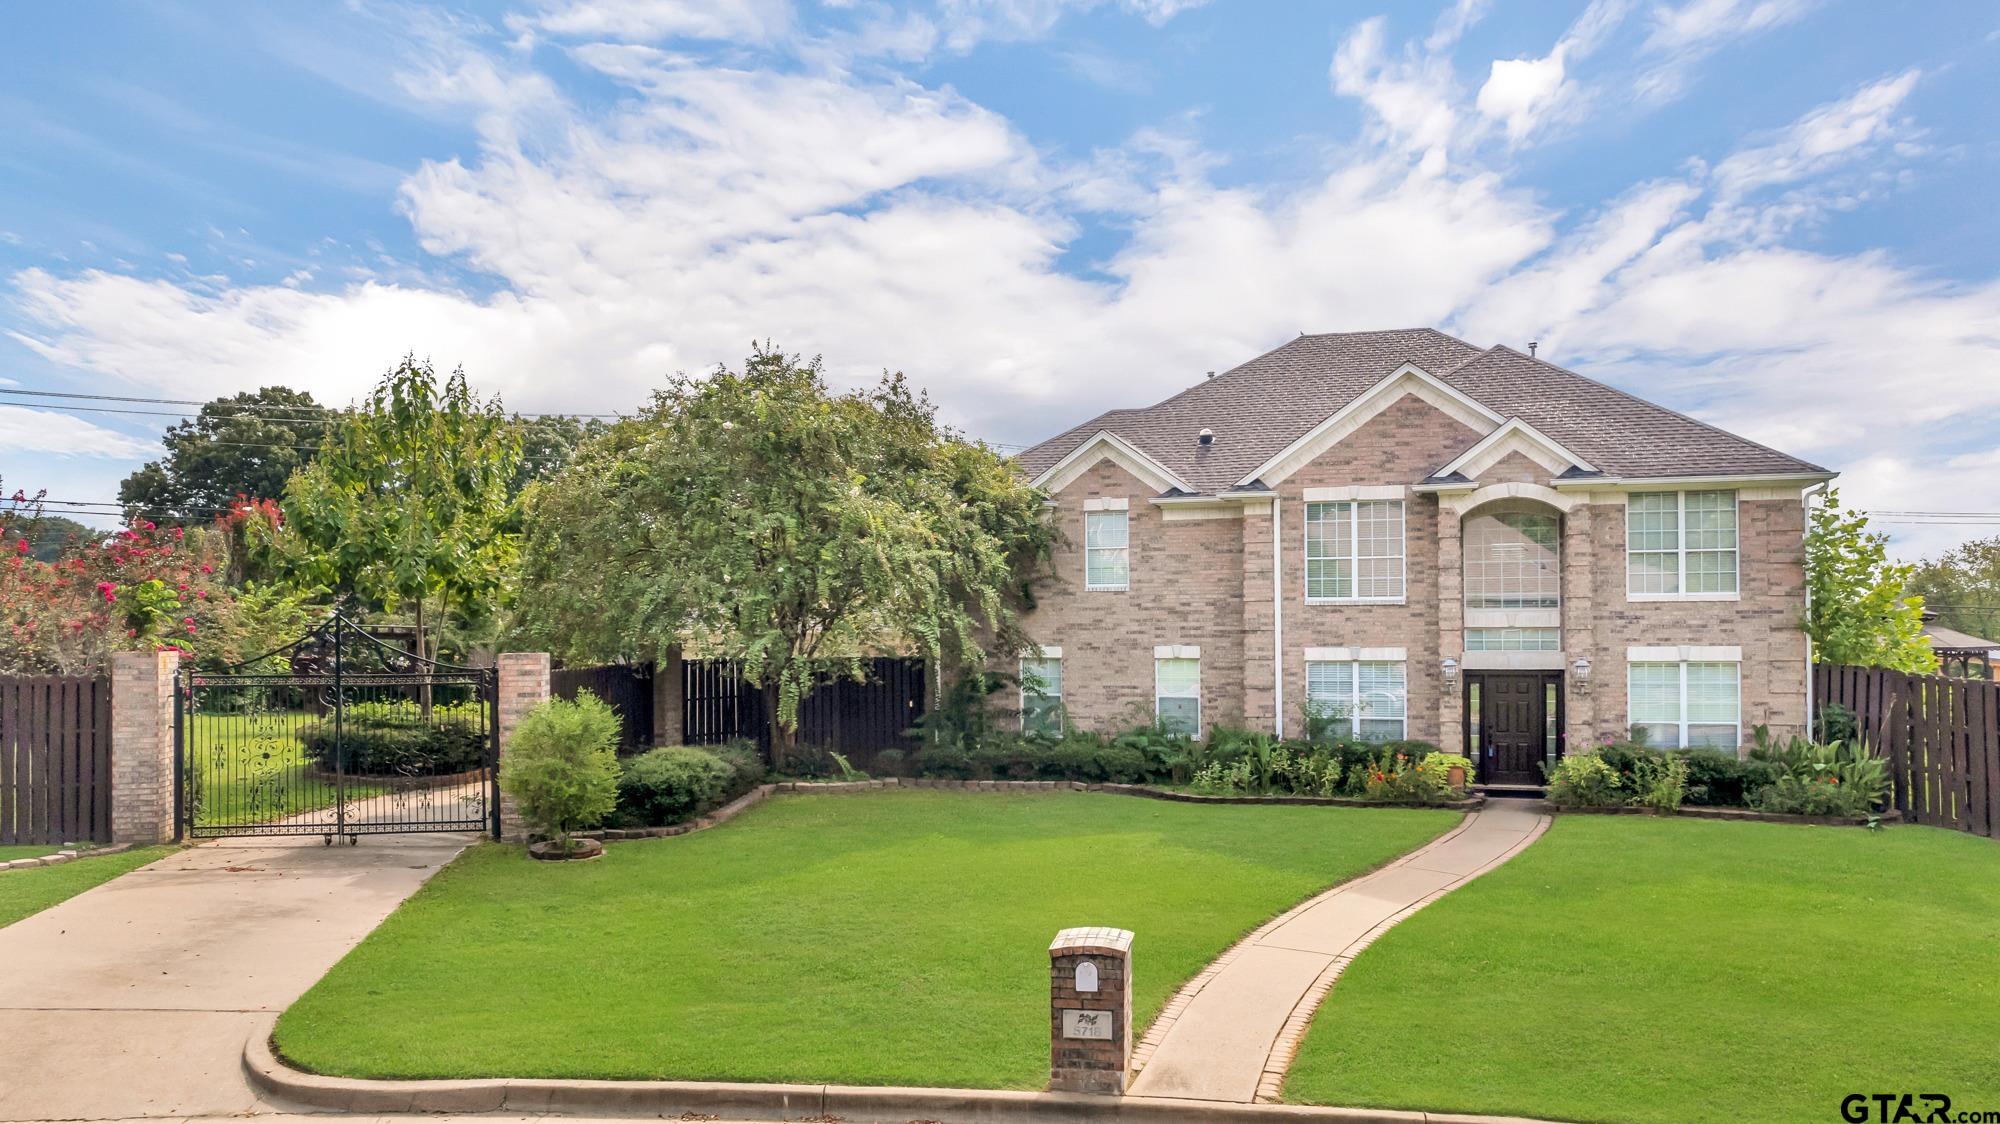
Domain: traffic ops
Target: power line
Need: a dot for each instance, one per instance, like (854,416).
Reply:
(251,407)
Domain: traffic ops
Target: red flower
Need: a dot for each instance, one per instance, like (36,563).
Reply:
(21,547)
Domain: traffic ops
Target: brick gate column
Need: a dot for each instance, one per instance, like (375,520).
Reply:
(142,746)
(524,685)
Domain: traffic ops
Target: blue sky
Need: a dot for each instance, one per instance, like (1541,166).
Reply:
(1775,214)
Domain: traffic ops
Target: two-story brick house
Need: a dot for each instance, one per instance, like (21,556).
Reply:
(1416,537)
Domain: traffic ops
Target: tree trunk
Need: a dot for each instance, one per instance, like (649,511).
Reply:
(423,667)
(782,736)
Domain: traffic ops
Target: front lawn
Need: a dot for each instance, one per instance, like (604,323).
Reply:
(893,937)
(13,851)
(1626,969)
(24,892)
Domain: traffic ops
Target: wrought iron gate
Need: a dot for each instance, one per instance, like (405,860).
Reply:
(340,735)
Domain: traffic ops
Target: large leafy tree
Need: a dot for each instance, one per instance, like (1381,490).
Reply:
(407,503)
(1861,610)
(761,517)
(242,445)
(1963,587)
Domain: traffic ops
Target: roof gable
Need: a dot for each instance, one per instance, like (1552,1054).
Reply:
(1408,379)
(1514,436)
(1106,445)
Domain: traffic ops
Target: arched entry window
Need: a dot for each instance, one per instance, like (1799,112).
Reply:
(1513,560)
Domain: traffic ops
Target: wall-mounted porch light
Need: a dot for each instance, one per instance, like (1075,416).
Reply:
(1450,668)
(1579,673)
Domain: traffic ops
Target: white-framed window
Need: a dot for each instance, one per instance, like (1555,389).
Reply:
(1681,544)
(1041,693)
(1177,693)
(1513,560)
(1686,705)
(1107,554)
(1513,640)
(1365,699)
(1354,550)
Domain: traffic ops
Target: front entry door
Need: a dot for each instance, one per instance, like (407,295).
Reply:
(1515,724)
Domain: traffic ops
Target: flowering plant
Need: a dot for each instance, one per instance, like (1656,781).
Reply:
(142,588)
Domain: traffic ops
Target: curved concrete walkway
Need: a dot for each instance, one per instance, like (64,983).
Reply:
(1232,1031)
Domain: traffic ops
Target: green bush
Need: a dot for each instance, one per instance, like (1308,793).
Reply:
(1817,797)
(561,765)
(394,739)
(675,783)
(1819,778)
(1718,778)
(1585,781)
(1660,782)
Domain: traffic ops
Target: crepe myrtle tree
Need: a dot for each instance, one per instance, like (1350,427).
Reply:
(407,503)
(761,517)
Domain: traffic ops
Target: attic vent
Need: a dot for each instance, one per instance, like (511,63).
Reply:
(1207,436)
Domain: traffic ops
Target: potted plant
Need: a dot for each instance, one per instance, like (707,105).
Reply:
(561,768)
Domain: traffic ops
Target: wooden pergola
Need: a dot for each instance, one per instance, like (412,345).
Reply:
(1960,656)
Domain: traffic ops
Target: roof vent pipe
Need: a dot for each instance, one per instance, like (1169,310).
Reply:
(1532,345)
(1207,436)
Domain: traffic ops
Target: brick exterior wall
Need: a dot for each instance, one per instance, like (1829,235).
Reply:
(1399,445)
(1207,581)
(1187,587)
(142,746)
(524,685)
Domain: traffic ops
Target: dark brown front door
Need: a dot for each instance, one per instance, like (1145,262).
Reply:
(1515,726)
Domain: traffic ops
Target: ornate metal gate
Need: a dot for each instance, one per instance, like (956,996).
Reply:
(340,735)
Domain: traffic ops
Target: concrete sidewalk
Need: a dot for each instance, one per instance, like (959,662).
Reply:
(1231,1033)
(135,999)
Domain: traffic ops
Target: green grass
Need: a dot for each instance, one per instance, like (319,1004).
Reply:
(1627,969)
(25,892)
(897,937)
(253,769)
(14,851)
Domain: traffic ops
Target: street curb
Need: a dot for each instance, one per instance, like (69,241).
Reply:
(850,1104)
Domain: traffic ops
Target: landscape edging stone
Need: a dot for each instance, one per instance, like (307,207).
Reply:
(763,792)
(65,856)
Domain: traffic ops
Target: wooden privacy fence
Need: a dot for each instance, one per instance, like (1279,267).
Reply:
(1941,738)
(55,759)
(855,720)
(626,688)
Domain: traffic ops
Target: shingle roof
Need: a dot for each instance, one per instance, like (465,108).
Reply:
(1260,407)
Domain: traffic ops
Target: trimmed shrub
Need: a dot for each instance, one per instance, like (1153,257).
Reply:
(394,740)
(675,783)
(561,765)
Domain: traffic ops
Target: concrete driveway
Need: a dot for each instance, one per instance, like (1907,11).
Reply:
(134,999)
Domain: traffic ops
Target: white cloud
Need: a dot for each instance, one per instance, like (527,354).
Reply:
(24,430)
(891,224)
(1683,35)
(1822,138)
(1518,91)
(649,20)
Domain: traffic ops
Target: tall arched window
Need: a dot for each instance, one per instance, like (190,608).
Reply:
(1513,560)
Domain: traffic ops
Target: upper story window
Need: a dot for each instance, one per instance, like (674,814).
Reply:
(1041,693)
(1681,544)
(1107,552)
(1354,550)
(1513,560)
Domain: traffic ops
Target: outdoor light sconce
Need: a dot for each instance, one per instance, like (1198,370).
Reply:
(1580,673)
(1450,668)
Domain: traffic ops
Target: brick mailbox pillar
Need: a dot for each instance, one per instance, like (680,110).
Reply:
(1090,1010)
